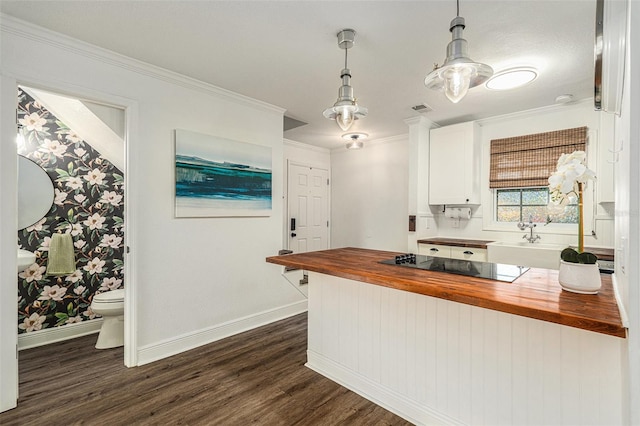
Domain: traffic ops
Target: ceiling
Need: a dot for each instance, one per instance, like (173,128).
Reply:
(286,52)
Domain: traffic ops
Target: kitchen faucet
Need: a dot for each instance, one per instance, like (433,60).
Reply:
(522,226)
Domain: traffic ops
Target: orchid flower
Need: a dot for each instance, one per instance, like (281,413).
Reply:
(570,171)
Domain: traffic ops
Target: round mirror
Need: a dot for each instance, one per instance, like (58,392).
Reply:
(35,192)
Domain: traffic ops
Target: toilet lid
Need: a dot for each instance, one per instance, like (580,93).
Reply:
(110,296)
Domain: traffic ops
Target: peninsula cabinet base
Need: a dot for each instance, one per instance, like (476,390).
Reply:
(433,361)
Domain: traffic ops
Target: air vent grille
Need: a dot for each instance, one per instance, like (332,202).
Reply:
(422,108)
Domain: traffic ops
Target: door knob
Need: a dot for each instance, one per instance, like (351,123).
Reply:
(293,234)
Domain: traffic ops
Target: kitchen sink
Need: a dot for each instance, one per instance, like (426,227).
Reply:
(524,253)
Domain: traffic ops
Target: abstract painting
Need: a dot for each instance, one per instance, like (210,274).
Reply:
(221,177)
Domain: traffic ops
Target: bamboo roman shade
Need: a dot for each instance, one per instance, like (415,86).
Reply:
(527,161)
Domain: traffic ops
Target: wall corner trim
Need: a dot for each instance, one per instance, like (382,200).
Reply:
(192,340)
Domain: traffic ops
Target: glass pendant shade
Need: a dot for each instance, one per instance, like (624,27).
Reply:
(459,73)
(345,113)
(345,118)
(456,83)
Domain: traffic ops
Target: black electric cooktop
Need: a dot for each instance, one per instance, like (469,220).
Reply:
(491,271)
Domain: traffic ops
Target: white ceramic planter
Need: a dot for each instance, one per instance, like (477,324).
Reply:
(579,277)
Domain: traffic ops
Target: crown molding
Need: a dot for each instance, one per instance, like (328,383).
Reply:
(536,111)
(306,146)
(422,121)
(27,30)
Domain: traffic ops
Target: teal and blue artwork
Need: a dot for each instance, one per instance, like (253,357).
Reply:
(221,177)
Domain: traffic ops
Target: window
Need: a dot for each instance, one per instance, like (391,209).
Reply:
(524,204)
(528,161)
(519,170)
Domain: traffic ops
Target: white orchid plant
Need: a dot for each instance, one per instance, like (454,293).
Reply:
(569,178)
(570,173)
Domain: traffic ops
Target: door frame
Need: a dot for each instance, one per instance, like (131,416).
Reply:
(8,317)
(285,216)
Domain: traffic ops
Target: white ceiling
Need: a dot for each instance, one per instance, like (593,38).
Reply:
(286,52)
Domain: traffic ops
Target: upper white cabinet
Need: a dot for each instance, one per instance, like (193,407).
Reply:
(454,164)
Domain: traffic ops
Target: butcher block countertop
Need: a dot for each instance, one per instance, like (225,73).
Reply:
(536,294)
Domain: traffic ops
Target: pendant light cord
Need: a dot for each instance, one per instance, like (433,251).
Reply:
(457,7)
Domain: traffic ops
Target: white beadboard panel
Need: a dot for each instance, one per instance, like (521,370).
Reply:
(426,358)
(369,335)
(477,359)
(346,328)
(386,398)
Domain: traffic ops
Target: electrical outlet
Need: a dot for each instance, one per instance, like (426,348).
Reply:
(455,223)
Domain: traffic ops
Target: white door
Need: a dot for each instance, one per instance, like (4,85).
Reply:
(308,199)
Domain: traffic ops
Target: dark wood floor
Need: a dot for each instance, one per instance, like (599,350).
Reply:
(257,377)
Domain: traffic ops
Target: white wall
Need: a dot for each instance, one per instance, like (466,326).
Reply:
(369,195)
(627,208)
(193,280)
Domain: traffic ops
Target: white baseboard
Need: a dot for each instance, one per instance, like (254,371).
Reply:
(58,334)
(174,346)
(376,393)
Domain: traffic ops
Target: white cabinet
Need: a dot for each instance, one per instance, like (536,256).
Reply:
(454,164)
(467,253)
(434,250)
(453,252)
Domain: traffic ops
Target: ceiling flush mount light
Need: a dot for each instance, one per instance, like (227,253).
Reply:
(346,110)
(512,78)
(458,73)
(355,139)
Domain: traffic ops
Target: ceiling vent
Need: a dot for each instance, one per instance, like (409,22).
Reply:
(422,108)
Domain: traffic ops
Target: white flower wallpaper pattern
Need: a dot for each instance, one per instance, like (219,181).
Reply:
(88,204)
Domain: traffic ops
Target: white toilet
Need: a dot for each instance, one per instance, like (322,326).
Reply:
(110,305)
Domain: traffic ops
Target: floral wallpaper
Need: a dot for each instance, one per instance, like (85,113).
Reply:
(88,203)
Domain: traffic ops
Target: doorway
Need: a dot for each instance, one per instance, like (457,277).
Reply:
(308,208)
(80,144)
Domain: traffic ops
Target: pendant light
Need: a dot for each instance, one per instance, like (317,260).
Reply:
(458,73)
(346,110)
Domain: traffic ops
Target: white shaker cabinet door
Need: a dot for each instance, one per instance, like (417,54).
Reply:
(454,165)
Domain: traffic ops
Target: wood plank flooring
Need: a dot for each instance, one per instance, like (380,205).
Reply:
(257,377)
